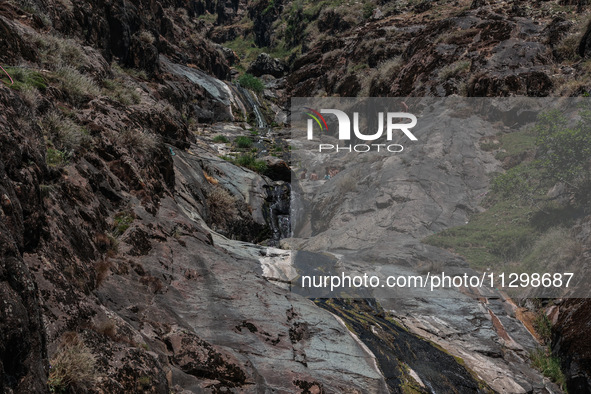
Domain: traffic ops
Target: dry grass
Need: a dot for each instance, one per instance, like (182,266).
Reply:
(454,69)
(222,207)
(138,141)
(554,251)
(385,71)
(103,268)
(76,85)
(121,91)
(153,283)
(569,86)
(108,329)
(72,366)
(56,52)
(31,96)
(146,37)
(65,133)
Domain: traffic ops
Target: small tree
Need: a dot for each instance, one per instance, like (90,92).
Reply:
(564,153)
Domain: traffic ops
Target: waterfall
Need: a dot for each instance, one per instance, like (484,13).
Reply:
(253,102)
(278,203)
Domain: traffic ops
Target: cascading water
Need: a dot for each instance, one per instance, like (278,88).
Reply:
(278,200)
(253,102)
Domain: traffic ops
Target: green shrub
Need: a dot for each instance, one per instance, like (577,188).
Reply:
(564,151)
(121,222)
(243,142)
(56,158)
(249,161)
(368,10)
(221,138)
(548,365)
(269,7)
(543,326)
(251,82)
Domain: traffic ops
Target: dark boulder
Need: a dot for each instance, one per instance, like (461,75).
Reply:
(585,44)
(265,64)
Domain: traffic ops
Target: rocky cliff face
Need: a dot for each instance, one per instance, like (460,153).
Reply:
(125,237)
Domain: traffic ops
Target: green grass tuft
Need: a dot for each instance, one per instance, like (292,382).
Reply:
(243,142)
(544,362)
(221,138)
(24,78)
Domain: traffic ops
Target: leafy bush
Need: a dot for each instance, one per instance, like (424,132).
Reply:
(221,138)
(251,82)
(563,155)
(72,368)
(518,181)
(243,142)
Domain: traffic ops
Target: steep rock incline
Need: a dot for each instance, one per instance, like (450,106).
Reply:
(496,48)
(100,246)
(23,356)
(107,260)
(377,209)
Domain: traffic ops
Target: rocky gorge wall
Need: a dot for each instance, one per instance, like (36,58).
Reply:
(123,230)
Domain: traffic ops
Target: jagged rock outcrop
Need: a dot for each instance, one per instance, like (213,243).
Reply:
(265,64)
